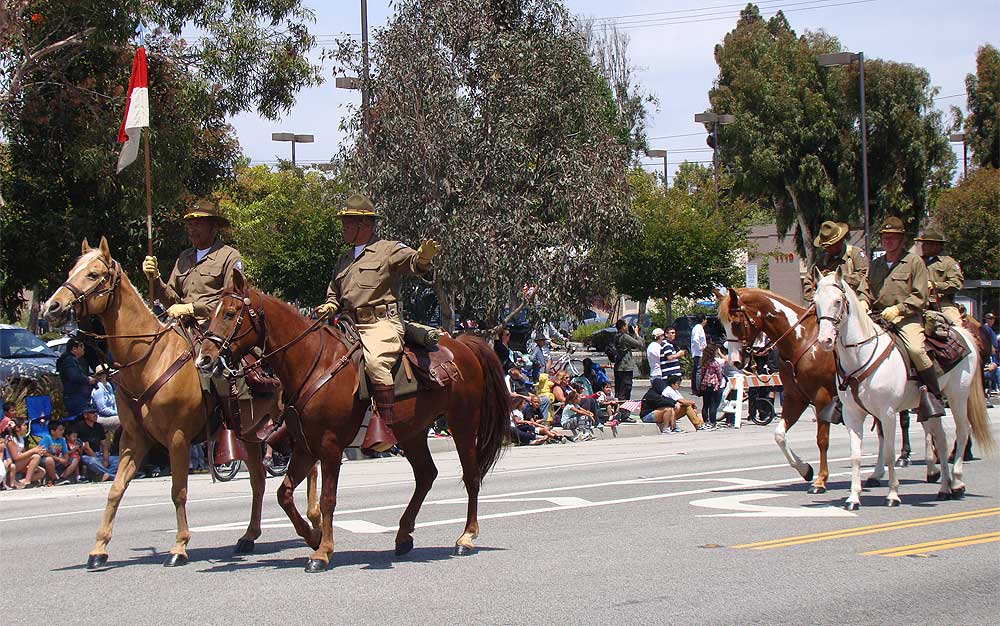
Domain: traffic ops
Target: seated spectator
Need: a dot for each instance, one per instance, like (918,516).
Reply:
(684,407)
(518,386)
(609,404)
(56,461)
(96,445)
(577,419)
(588,402)
(73,453)
(672,408)
(529,432)
(595,373)
(103,397)
(18,460)
(502,348)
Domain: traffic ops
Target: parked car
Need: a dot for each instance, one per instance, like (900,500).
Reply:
(25,360)
(714,331)
(599,339)
(58,345)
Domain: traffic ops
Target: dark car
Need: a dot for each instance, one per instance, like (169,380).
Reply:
(714,331)
(25,359)
(599,339)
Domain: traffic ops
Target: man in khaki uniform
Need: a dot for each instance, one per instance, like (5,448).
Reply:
(365,285)
(837,253)
(898,292)
(946,277)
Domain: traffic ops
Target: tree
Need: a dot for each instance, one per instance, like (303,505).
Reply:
(982,124)
(492,130)
(969,216)
(59,179)
(285,224)
(687,246)
(795,143)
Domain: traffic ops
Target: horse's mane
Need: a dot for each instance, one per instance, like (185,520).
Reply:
(764,293)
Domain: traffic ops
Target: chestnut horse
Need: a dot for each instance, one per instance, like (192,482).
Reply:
(807,373)
(173,415)
(324,414)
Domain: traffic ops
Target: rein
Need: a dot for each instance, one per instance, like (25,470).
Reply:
(114,273)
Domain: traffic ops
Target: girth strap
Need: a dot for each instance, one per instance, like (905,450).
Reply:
(854,379)
(310,390)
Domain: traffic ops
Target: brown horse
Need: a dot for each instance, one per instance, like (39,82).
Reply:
(807,372)
(325,418)
(171,409)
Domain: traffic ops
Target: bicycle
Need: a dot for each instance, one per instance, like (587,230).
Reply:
(574,367)
(224,472)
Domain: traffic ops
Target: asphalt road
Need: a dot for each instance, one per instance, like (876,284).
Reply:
(636,531)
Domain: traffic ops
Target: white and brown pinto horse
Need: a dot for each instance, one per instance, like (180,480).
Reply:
(875,382)
(158,393)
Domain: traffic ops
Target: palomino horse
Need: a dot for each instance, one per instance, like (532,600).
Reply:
(158,376)
(324,418)
(874,376)
(806,372)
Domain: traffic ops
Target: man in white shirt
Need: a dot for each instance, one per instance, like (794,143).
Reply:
(698,343)
(653,354)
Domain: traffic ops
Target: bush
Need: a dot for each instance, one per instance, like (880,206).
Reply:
(583,332)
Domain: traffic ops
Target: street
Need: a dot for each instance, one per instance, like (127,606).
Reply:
(694,528)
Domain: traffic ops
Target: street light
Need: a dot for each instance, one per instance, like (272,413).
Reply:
(656,154)
(847,59)
(353,82)
(716,120)
(960,137)
(294,139)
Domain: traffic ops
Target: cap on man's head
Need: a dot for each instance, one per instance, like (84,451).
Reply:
(657,333)
(358,206)
(893,224)
(100,369)
(206,208)
(990,316)
(90,408)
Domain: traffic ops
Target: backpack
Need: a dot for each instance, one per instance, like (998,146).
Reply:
(611,351)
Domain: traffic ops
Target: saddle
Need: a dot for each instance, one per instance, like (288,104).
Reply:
(944,346)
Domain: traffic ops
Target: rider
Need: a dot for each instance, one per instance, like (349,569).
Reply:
(365,284)
(898,292)
(945,275)
(837,253)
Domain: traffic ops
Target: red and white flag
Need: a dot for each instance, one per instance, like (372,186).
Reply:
(136,111)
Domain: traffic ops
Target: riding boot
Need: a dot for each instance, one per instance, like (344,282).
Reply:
(930,396)
(379,436)
(832,413)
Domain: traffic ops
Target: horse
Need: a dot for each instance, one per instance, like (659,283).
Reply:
(874,381)
(158,394)
(313,362)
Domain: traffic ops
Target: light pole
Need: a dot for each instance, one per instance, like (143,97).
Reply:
(960,137)
(656,154)
(294,139)
(716,120)
(353,82)
(848,59)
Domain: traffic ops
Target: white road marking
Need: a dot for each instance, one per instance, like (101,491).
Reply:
(739,503)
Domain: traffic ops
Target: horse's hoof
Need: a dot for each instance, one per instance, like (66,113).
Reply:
(244,546)
(871,481)
(958,494)
(944,495)
(314,566)
(933,478)
(461,550)
(809,474)
(903,461)
(404,548)
(852,506)
(817,490)
(890,502)
(175,560)
(97,561)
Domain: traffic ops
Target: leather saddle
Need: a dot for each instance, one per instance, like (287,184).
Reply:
(944,346)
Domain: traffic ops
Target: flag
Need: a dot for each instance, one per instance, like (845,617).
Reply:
(136,111)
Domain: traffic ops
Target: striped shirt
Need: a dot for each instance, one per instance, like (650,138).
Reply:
(671,367)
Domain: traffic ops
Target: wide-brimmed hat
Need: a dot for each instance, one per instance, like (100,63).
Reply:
(830,233)
(358,206)
(100,369)
(932,234)
(206,208)
(892,225)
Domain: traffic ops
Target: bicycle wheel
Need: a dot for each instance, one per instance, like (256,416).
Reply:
(764,414)
(223,472)
(278,465)
(575,367)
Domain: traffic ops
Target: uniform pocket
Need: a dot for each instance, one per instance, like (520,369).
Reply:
(210,275)
(369,274)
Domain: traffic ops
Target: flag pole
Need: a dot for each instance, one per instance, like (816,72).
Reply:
(149,211)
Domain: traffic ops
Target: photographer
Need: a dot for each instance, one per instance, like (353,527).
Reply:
(625,342)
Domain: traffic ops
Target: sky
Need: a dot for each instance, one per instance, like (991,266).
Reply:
(671,45)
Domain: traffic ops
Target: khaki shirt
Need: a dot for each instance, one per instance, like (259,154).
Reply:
(854,268)
(946,279)
(372,278)
(904,285)
(200,283)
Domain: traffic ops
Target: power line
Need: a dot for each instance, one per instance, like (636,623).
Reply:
(694,10)
(728,16)
(684,19)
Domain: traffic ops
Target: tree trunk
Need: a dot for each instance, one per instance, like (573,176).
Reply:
(804,228)
(33,309)
(668,303)
(447,311)
(642,312)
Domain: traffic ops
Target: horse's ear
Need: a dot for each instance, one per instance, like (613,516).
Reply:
(719,294)
(84,247)
(239,281)
(734,298)
(817,274)
(840,274)
(105,250)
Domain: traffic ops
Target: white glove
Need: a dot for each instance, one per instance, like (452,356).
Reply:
(428,250)
(891,314)
(327,309)
(149,267)
(181,310)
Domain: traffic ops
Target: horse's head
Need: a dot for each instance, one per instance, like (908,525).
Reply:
(235,328)
(89,288)
(741,324)
(831,308)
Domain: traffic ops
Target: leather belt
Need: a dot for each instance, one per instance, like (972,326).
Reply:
(371,314)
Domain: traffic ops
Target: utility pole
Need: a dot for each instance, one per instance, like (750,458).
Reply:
(364,68)
(716,120)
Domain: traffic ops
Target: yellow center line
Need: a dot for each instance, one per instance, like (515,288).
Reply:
(867,530)
(932,546)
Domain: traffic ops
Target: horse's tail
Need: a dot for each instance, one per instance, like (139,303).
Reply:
(494,418)
(976,404)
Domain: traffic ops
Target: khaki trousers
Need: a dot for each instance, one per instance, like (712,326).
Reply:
(691,414)
(951,312)
(911,331)
(382,342)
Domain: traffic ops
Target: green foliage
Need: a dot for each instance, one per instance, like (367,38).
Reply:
(795,142)
(286,227)
(982,125)
(493,131)
(969,215)
(582,333)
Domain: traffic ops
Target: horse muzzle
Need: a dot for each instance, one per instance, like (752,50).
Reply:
(56,312)
(205,362)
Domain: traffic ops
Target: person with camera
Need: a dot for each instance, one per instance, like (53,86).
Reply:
(625,341)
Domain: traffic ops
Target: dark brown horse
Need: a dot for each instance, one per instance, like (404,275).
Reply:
(312,360)
(807,372)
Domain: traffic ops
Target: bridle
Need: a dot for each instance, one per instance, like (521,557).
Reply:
(101,288)
(745,339)
(258,325)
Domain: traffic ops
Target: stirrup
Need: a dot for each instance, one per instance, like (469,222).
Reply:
(930,405)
